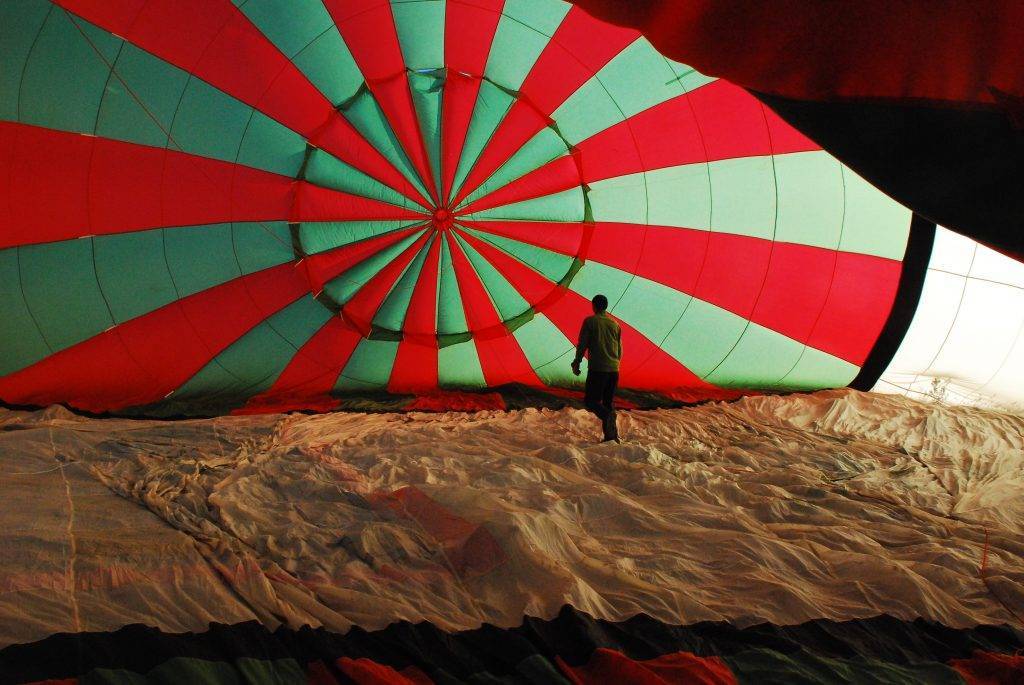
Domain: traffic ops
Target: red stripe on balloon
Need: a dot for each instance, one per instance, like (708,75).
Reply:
(363,305)
(535,288)
(215,41)
(645,364)
(324,266)
(800,291)
(579,48)
(460,96)
(340,139)
(142,360)
(67,185)
(554,177)
(415,367)
(644,142)
(564,238)
(854,313)
(316,203)
(469,29)
(521,123)
(307,381)
(420,323)
(502,360)
(729,123)
(368,28)
(733,123)
(666,254)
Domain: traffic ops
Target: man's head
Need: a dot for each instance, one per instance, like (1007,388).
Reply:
(600,303)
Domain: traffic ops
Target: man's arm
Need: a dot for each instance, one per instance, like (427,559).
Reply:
(581,346)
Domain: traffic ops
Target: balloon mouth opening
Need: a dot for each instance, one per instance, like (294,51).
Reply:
(442,219)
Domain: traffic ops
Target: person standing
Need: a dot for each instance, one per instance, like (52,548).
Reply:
(601,341)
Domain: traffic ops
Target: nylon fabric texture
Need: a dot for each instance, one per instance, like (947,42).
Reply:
(406,198)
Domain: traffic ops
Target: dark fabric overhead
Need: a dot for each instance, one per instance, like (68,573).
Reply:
(924,101)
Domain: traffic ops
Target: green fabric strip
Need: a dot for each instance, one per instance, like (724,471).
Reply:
(566,206)
(548,351)
(810,199)
(451,317)
(715,344)
(329,65)
(744,196)
(420,28)
(369,367)
(538,151)
(689,78)
(636,79)
(210,121)
(368,118)
(503,294)
(69,86)
(20,24)
(813,367)
(251,364)
(426,89)
(27,345)
(133,273)
(552,265)
(326,170)
(458,366)
(807,198)
(70,307)
(268,145)
(201,257)
(328,235)
(873,223)
(492,104)
(291,26)
(342,288)
(64,69)
(305,32)
(523,32)
(392,311)
(152,81)
(118,277)
(261,245)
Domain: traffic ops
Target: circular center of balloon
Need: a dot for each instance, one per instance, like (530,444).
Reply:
(442,218)
(474,232)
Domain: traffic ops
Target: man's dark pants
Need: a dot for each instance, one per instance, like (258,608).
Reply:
(598,399)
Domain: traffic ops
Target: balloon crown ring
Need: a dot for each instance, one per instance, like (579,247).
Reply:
(442,218)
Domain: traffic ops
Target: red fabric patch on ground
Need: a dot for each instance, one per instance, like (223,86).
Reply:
(440,401)
(611,666)
(989,668)
(469,547)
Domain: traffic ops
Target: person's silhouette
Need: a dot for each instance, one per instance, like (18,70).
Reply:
(601,341)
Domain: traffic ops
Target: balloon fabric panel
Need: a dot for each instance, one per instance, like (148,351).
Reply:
(273,204)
